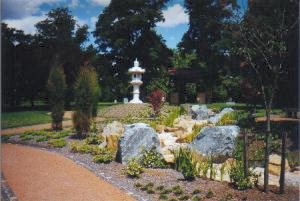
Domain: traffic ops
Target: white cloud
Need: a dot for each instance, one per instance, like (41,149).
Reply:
(74,3)
(16,9)
(101,2)
(26,24)
(80,22)
(174,15)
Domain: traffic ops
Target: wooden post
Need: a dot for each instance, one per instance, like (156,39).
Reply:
(245,154)
(283,156)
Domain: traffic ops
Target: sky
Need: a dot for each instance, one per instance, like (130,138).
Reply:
(24,14)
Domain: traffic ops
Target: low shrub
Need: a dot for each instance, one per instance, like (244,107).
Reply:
(157,99)
(163,197)
(210,194)
(160,188)
(293,159)
(134,169)
(42,139)
(26,137)
(237,177)
(57,143)
(82,147)
(152,159)
(104,158)
(227,119)
(150,191)
(173,199)
(177,190)
(166,191)
(196,198)
(138,185)
(94,139)
(196,191)
(184,197)
(60,134)
(5,138)
(184,163)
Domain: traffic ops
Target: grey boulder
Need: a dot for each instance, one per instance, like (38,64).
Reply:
(137,137)
(216,141)
(200,112)
(218,117)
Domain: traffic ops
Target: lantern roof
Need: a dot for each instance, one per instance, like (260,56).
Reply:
(136,68)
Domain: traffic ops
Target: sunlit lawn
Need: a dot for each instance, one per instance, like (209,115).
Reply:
(24,118)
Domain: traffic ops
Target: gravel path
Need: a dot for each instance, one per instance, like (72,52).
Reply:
(35,174)
(19,130)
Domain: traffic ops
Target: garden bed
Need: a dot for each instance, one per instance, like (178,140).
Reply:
(162,180)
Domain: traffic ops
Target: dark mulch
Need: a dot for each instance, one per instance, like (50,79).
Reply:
(114,174)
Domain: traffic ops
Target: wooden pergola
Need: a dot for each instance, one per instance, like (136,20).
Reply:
(181,77)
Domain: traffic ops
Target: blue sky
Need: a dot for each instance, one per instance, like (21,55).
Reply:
(23,14)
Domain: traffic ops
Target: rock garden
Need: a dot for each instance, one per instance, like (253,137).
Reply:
(191,152)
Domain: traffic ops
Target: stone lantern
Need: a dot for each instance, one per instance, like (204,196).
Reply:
(136,76)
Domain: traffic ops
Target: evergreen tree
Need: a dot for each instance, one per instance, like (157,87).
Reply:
(86,89)
(56,88)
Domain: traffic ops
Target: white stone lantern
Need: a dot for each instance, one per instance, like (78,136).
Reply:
(136,76)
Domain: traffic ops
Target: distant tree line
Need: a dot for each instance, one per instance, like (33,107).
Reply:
(125,30)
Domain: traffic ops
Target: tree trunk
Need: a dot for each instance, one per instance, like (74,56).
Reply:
(266,171)
(245,154)
(283,156)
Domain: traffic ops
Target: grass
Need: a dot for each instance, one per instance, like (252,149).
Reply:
(25,118)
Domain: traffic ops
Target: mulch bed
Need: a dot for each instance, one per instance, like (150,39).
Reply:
(114,174)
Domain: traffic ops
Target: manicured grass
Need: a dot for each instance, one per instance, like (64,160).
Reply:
(25,118)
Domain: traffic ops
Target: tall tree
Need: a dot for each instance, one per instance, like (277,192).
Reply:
(264,35)
(59,36)
(125,31)
(207,23)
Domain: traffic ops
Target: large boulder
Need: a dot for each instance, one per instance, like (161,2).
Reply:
(200,112)
(116,128)
(185,123)
(137,137)
(214,119)
(216,141)
(275,164)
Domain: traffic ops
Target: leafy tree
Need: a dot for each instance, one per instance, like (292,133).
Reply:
(264,34)
(86,89)
(58,35)
(157,99)
(56,87)
(182,60)
(208,19)
(125,31)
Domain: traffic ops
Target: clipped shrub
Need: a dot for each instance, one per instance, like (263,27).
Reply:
(104,158)
(82,147)
(26,136)
(86,92)
(227,119)
(134,169)
(56,87)
(152,159)
(57,143)
(42,139)
(183,161)
(157,99)
(5,138)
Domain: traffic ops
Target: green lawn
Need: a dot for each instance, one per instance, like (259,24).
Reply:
(24,118)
